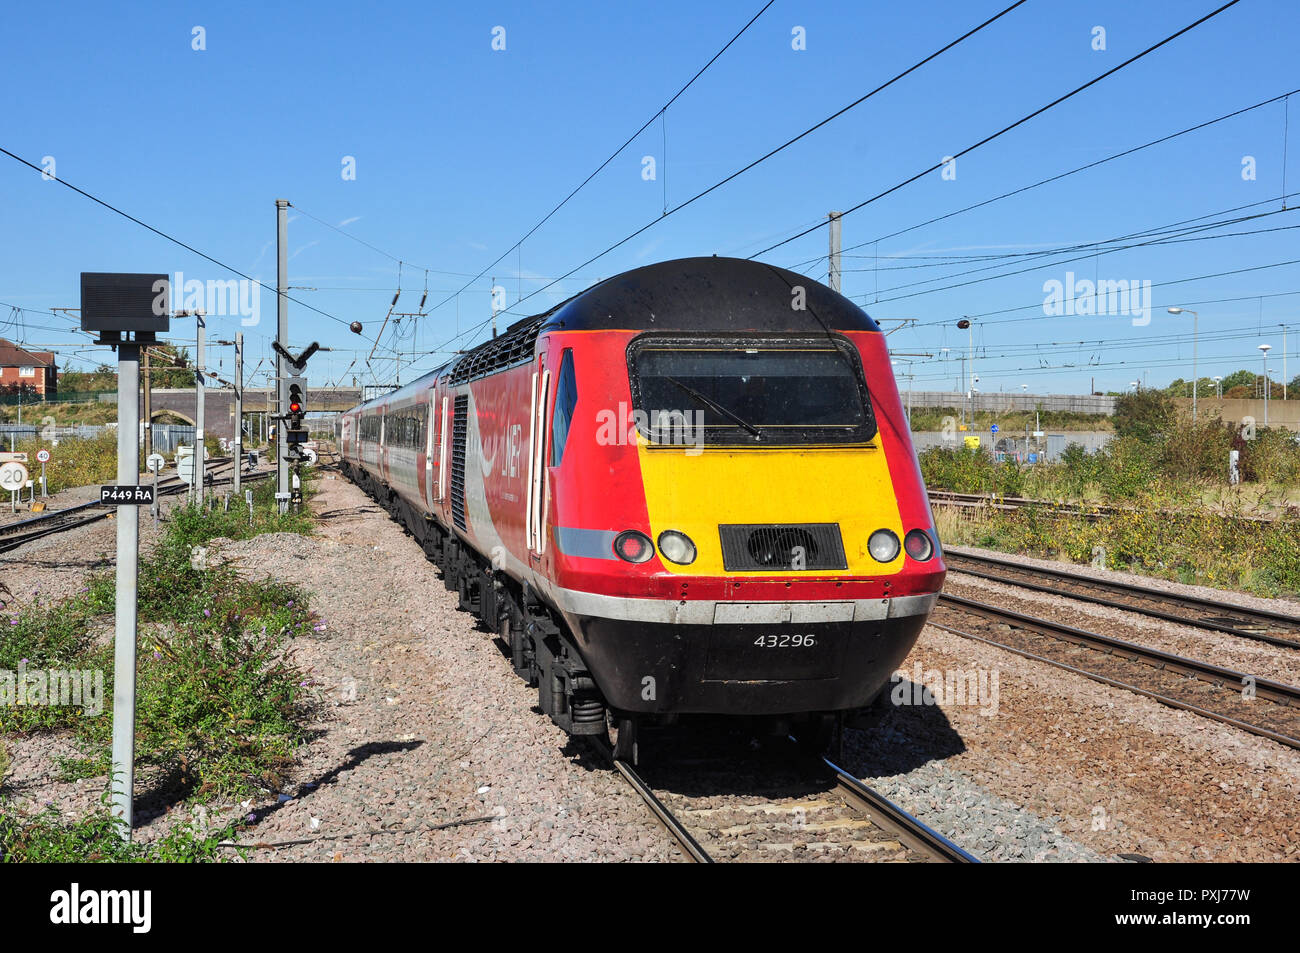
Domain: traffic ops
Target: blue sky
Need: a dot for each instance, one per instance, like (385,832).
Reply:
(460,149)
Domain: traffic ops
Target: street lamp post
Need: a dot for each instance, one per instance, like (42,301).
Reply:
(1195,380)
(966,325)
(1218,391)
(1265,348)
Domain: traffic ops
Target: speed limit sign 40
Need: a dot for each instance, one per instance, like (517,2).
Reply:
(43,456)
(13,476)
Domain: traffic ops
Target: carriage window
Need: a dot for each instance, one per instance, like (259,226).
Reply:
(566,398)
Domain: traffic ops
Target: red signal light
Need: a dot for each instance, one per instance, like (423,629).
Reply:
(295,408)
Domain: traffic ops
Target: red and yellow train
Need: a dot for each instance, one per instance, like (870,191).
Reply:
(689,489)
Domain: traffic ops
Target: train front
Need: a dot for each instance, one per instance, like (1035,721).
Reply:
(740,524)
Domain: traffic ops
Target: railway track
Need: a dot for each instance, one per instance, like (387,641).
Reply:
(1088,511)
(1262,707)
(1275,628)
(785,811)
(22,532)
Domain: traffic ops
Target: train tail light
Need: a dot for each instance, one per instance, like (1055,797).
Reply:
(918,545)
(633,547)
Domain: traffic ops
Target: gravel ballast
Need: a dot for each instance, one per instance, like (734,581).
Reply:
(426,746)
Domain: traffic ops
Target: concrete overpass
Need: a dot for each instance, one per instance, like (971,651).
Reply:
(219,405)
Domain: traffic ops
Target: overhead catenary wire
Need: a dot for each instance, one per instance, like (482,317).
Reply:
(1155,284)
(171,238)
(763,158)
(613,155)
(1065,261)
(1054,178)
(1009,127)
(1169,231)
(987,139)
(785,145)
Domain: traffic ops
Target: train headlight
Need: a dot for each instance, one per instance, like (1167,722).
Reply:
(918,544)
(883,546)
(676,547)
(633,547)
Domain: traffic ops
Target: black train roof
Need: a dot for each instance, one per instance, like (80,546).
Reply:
(717,295)
(708,294)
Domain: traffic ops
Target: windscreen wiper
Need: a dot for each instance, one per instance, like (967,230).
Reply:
(715,406)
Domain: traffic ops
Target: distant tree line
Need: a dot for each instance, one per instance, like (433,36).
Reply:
(168,367)
(1239,384)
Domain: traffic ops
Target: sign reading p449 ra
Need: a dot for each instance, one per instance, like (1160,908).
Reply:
(125,495)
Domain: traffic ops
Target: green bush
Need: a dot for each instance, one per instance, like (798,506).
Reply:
(1145,415)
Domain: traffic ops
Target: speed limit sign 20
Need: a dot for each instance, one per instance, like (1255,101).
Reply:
(12,476)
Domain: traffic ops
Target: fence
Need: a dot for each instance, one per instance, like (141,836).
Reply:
(321,424)
(35,401)
(167,437)
(999,403)
(28,431)
(1013,447)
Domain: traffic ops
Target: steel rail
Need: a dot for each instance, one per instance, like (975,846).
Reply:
(1223,609)
(887,815)
(689,845)
(22,539)
(1088,510)
(1207,672)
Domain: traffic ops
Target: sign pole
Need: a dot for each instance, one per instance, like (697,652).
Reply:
(198,410)
(128,559)
(239,406)
(125,311)
(282,338)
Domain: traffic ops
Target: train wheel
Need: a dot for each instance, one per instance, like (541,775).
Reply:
(622,733)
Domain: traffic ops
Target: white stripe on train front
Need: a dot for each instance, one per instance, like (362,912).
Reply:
(708,612)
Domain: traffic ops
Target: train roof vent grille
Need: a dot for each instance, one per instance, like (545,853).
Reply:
(510,349)
(781,548)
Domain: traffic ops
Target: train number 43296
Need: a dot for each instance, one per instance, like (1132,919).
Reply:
(786,641)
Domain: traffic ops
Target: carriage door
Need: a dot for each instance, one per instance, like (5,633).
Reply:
(442,454)
(534,516)
(429,446)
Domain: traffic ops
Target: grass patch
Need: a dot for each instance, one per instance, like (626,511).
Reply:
(76,461)
(1178,518)
(1199,547)
(49,838)
(221,703)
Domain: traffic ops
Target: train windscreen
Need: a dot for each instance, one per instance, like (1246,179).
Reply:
(753,393)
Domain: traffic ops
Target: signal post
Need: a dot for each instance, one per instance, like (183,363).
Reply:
(126,312)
